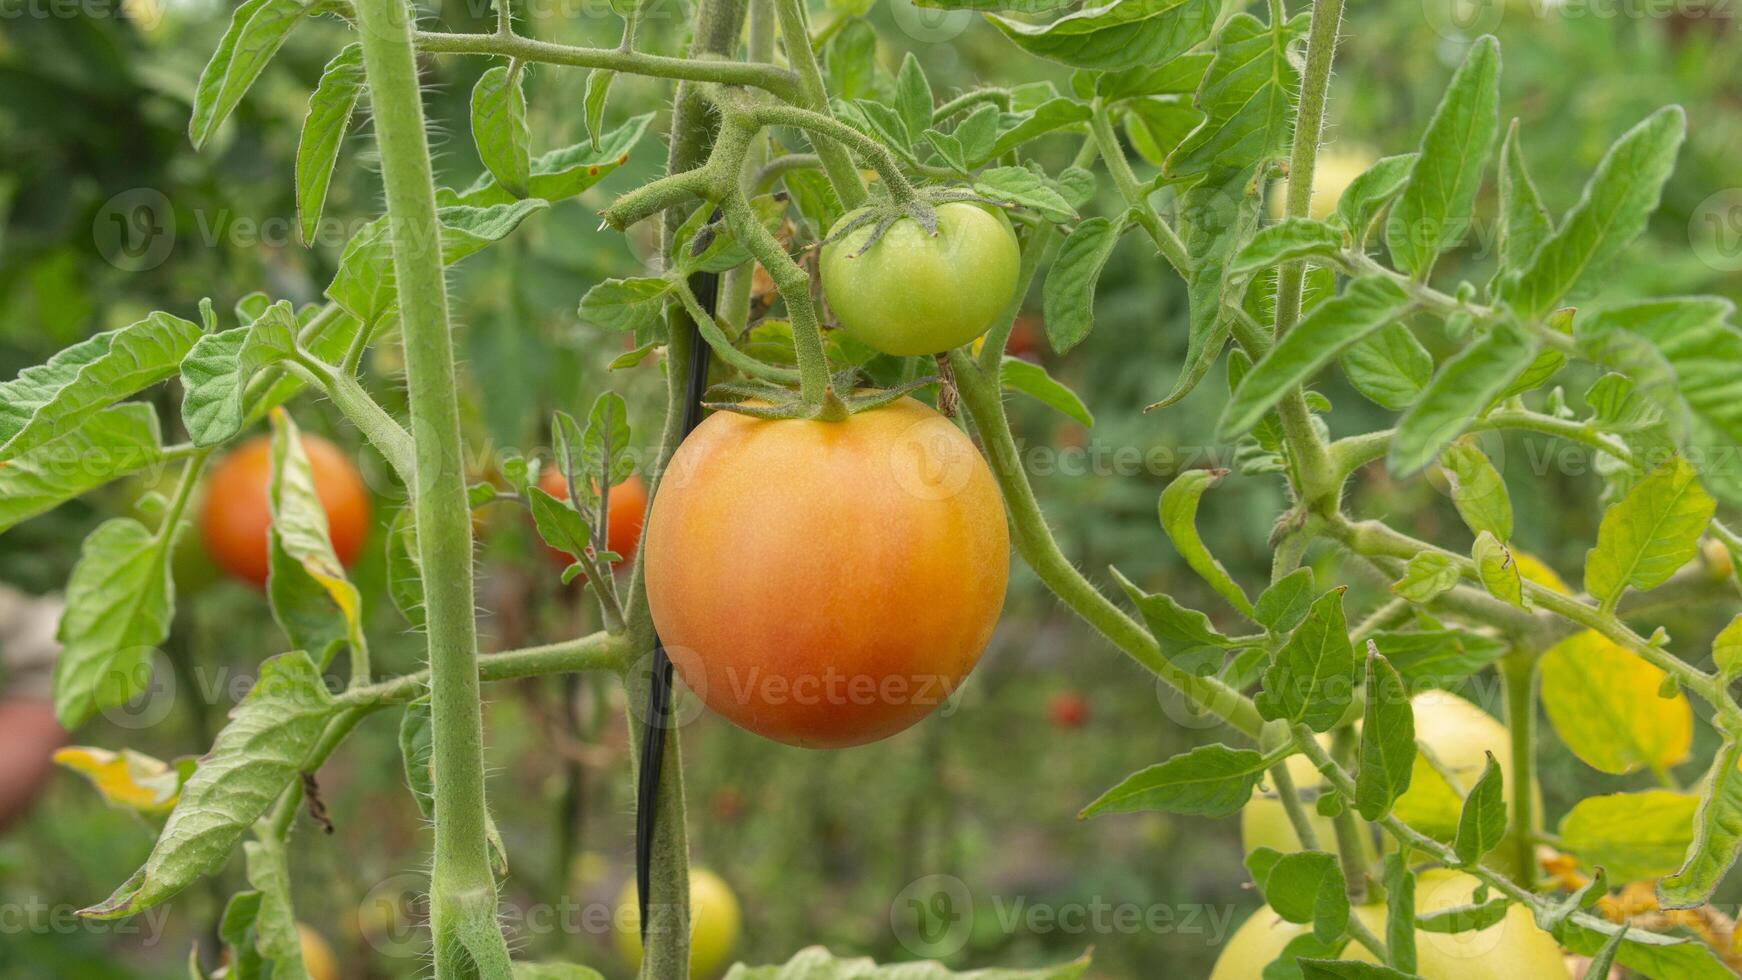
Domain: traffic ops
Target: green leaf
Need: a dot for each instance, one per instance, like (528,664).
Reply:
(1312,679)
(1176,76)
(625,304)
(1312,969)
(1387,740)
(416,748)
(1650,954)
(1473,917)
(605,456)
(1633,836)
(1050,116)
(119,602)
(1477,489)
(1369,193)
(1617,201)
(1025,188)
(1216,216)
(851,59)
(1306,886)
(1399,883)
(1524,222)
(1727,648)
(276,937)
(499,127)
(913,98)
(117,441)
(1247,98)
(559,524)
(404,571)
(1648,534)
(1483,821)
(1282,606)
(562,173)
(323,131)
(1496,570)
(593,101)
(313,601)
(257,30)
(216,372)
(65,393)
(1068,298)
(1287,241)
(1117,35)
(1366,305)
(1179,511)
(1185,635)
(1464,388)
(236,929)
(1435,208)
(1425,577)
(1441,658)
(1389,367)
(263,748)
(1156,127)
(1208,781)
(38,384)
(1717,835)
(1029,378)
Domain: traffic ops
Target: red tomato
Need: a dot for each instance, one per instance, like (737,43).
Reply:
(237,512)
(1068,709)
(827,584)
(626,509)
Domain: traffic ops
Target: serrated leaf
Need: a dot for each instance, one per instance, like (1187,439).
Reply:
(1029,378)
(499,127)
(1179,509)
(255,756)
(1727,648)
(1434,210)
(1389,367)
(1050,116)
(913,98)
(1524,222)
(1068,298)
(1633,836)
(1387,756)
(1117,35)
(1604,703)
(216,372)
(1648,534)
(67,392)
(1209,781)
(1247,97)
(404,571)
(1185,635)
(1025,188)
(1483,821)
(119,603)
(593,101)
(1613,210)
(625,304)
(561,173)
(1366,305)
(323,132)
(1717,835)
(1216,216)
(257,30)
(1176,76)
(1303,887)
(1371,191)
(1284,604)
(1441,658)
(111,444)
(1286,241)
(1463,388)
(1399,883)
(1312,679)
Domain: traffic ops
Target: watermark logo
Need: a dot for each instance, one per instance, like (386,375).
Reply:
(135,230)
(933,916)
(1715,231)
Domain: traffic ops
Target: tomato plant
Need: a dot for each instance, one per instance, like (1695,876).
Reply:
(836,487)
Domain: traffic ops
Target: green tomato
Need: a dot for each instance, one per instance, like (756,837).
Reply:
(914,293)
(1512,948)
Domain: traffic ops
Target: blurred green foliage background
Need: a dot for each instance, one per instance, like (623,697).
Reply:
(818,846)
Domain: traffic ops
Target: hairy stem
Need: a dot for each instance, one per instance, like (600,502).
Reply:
(771,78)
(462,886)
(812,94)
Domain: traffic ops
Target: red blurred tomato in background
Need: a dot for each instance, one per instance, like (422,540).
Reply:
(236,514)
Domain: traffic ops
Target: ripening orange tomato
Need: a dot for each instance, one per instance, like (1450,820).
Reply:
(237,512)
(826,584)
(624,513)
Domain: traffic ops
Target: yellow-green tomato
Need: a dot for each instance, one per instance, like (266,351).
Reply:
(917,293)
(1264,822)
(714,922)
(1511,949)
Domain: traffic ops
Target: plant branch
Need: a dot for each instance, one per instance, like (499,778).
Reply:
(771,78)
(810,93)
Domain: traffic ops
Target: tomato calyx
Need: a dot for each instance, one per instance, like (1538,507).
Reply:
(921,208)
(841,400)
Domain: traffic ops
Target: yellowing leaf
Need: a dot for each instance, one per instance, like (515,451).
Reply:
(1603,702)
(1534,569)
(127,778)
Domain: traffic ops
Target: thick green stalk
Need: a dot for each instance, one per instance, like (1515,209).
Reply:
(1518,670)
(1034,541)
(1316,481)
(1132,190)
(771,78)
(814,95)
(462,885)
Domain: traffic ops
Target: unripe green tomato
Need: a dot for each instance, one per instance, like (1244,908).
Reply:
(1511,949)
(714,921)
(915,293)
